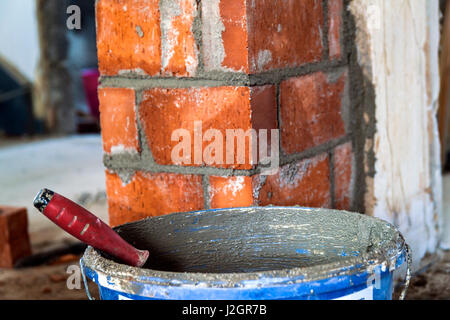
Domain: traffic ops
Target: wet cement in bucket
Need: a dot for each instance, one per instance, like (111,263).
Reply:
(227,246)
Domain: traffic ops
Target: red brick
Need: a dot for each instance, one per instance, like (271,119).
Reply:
(311,111)
(14,238)
(284,33)
(264,111)
(264,107)
(230,192)
(343,167)
(179,55)
(306,183)
(119,45)
(255,36)
(228,33)
(234,37)
(152,194)
(165,110)
(238,35)
(335,11)
(118,120)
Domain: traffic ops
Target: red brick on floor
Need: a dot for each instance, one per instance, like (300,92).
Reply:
(14,238)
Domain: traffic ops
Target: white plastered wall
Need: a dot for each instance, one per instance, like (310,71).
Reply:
(397,44)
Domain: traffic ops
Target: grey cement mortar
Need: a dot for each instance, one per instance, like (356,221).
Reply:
(145,162)
(198,36)
(228,247)
(346,107)
(131,79)
(324,31)
(168,9)
(212,29)
(139,31)
(362,99)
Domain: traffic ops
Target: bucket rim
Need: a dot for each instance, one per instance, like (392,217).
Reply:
(94,262)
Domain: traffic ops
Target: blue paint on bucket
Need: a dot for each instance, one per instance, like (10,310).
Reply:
(346,276)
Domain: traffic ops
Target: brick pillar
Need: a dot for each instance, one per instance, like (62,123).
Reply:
(231,64)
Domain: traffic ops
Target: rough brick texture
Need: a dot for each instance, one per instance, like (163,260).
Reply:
(174,69)
(256,36)
(128,36)
(14,239)
(312,111)
(343,169)
(230,192)
(225,38)
(224,108)
(152,194)
(335,12)
(306,183)
(179,50)
(118,120)
(152,37)
(284,33)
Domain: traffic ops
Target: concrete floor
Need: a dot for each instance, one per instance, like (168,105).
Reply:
(433,283)
(71,166)
(47,282)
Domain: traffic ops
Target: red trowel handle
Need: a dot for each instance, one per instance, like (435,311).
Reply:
(86,227)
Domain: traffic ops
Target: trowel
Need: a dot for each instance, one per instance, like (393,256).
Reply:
(86,227)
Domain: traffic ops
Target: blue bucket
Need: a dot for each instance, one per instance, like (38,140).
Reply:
(254,254)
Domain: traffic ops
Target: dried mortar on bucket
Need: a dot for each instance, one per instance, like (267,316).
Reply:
(228,247)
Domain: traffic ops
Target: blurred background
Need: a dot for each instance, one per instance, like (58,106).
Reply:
(50,133)
(48,74)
